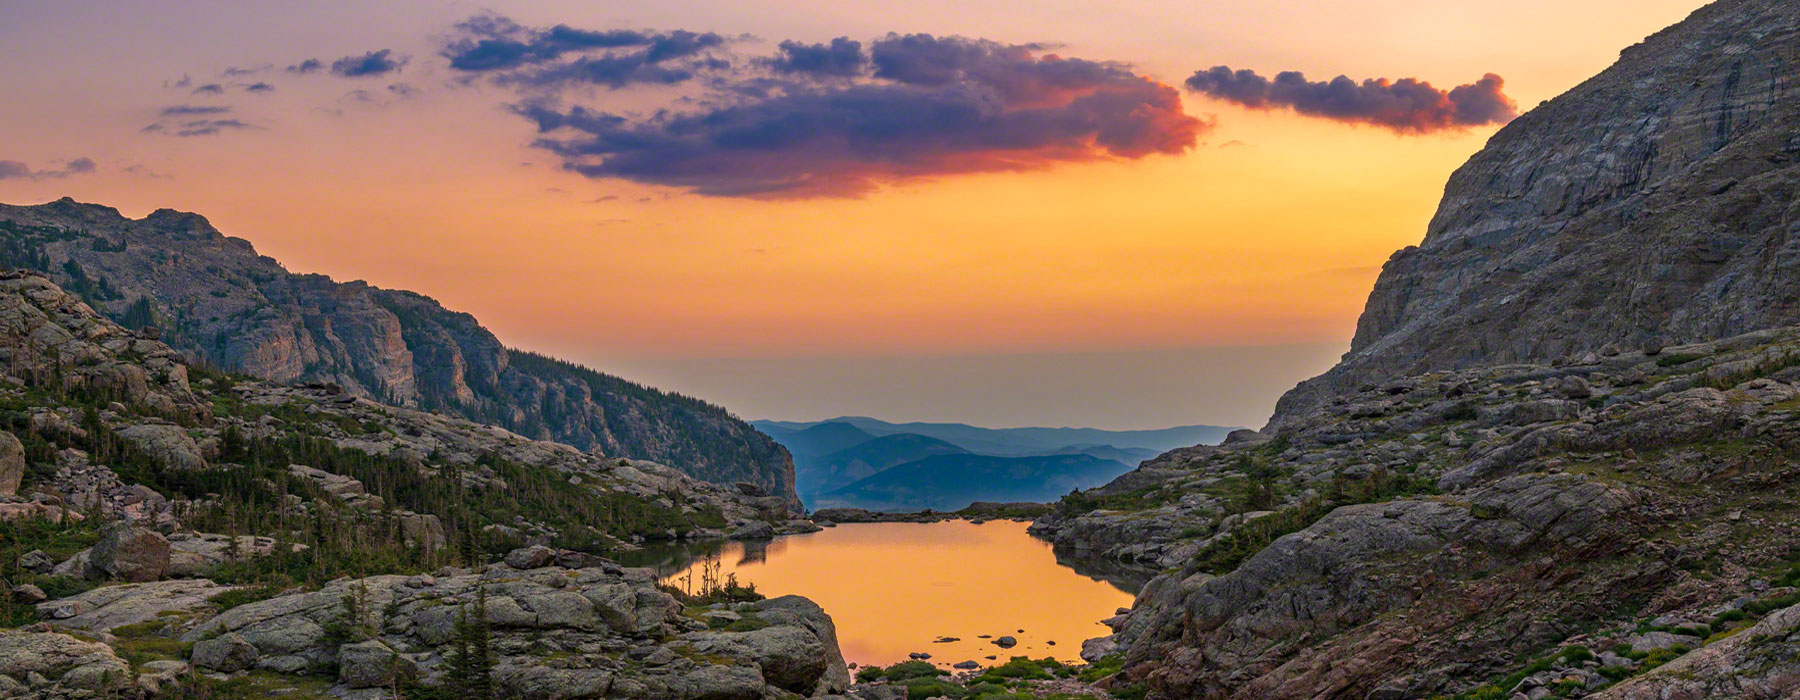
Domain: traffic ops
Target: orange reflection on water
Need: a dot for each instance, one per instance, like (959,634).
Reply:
(893,588)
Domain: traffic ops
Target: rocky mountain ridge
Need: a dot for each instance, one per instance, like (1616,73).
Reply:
(173,529)
(1652,205)
(1559,460)
(214,298)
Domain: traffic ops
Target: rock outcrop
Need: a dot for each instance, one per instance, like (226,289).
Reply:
(1423,536)
(49,665)
(1652,205)
(599,631)
(1559,460)
(216,299)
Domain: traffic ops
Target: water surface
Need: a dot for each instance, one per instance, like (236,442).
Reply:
(894,588)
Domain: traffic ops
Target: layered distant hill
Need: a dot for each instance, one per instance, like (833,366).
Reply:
(217,300)
(870,463)
(953,481)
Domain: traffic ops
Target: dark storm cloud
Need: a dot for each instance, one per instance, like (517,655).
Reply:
(259,88)
(16,170)
(932,106)
(311,65)
(381,62)
(1406,106)
(842,58)
(210,89)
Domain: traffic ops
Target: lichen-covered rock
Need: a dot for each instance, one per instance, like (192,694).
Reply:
(12,464)
(372,664)
(129,553)
(1759,662)
(557,632)
(64,663)
(107,607)
(169,445)
(226,653)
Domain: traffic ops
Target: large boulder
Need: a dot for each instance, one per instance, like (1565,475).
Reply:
(129,553)
(64,661)
(797,652)
(12,464)
(169,445)
(371,664)
(226,653)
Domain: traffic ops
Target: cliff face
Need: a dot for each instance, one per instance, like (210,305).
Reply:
(216,299)
(1653,205)
(1550,464)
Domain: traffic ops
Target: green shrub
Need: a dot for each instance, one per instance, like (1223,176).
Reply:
(244,596)
(908,670)
(869,674)
(1020,667)
(1106,666)
(924,688)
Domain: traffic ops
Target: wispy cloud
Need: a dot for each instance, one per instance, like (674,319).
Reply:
(1407,106)
(195,120)
(373,63)
(18,170)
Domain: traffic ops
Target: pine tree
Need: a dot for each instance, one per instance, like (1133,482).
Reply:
(471,657)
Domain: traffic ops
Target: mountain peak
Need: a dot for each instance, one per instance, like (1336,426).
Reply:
(1649,206)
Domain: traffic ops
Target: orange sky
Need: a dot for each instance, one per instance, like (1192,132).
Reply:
(1268,233)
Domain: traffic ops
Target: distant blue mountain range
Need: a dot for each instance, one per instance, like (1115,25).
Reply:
(870,463)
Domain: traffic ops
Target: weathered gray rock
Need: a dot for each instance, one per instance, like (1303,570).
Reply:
(757,530)
(36,561)
(63,662)
(169,445)
(129,553)
(618,633)
(12,464)
(107,607)
(226,653)
(1755,663)
(533,557)
(372,664)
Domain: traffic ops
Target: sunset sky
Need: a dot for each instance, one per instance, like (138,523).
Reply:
(1038,214)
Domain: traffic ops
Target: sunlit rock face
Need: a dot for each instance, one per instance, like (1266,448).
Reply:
(213,297)
(1651,205)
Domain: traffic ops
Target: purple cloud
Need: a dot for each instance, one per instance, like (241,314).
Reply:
(1406,106)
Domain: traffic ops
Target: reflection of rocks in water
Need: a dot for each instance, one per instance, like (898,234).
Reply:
(1124,576)
(755,551)
(670,558)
